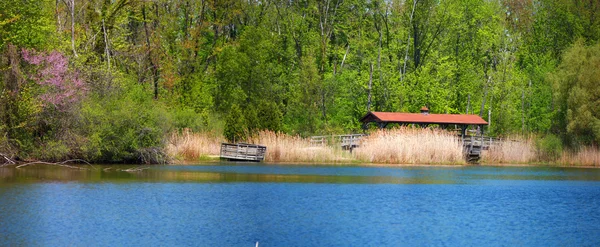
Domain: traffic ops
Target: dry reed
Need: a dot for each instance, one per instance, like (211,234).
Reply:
(190,146)
(287,148)
(411,146)
(515,150)
(397,146)
(587,156)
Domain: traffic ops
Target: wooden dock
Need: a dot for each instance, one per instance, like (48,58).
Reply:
(243,152)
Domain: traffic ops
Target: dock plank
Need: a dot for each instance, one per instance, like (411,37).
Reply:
(243,152)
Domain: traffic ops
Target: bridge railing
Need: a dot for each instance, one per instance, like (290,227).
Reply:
(486,142)
(351,140)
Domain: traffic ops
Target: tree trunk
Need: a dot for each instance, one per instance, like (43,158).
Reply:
(523,111)
(370,87)
(485,94)
(106,46)
(412,13)
(381,82)
(57,14)
(150,58)
(344,59)
(72,7)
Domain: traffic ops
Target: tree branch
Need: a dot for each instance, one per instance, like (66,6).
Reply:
(50,163)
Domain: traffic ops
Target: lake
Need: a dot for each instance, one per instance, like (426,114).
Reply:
(229,204)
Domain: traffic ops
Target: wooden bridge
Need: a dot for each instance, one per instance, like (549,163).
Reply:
(243,152)
(473,145)
(347,142)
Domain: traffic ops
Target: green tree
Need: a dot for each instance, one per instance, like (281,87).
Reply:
(576,86)
(25,23)
(235,125)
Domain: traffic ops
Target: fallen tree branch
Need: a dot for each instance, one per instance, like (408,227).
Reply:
(136,169)
(76,160)
(50,163)
(8,161)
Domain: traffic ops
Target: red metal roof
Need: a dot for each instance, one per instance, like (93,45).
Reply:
(419,118)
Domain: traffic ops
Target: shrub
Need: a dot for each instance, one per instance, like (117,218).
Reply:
(549,148)
(124,128)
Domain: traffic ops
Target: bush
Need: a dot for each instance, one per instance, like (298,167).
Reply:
(187,118)
(549,148)
(125,128)
(53,151)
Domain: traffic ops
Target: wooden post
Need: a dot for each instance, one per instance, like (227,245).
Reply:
(463,129)
(482,140)
(489,119)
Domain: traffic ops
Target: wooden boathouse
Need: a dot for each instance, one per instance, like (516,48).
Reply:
(472,146)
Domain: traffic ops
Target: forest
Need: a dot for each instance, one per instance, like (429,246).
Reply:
(109,80)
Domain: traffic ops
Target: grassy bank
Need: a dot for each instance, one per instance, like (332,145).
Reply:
(190,146)
(536,151)
(399,146)
(412,146)
(511,151)
(288,148)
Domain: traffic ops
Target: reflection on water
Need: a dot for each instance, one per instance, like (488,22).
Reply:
(239,204)
(291,174)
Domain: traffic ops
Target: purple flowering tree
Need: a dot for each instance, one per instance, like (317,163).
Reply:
(61,87)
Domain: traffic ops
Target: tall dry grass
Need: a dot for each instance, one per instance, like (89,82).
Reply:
(516,150)
(286,148)
(396,146)
(411,146)
(190,146)
(587,156)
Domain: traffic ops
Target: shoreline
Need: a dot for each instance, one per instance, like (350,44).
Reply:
(365,164)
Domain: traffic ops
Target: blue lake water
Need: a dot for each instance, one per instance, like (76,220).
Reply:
(231,204)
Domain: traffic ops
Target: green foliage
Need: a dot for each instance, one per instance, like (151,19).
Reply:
(24,121)
(52,150)
(576,87)
(270,116)
(188,118)
(25,23)
(303,105)
(235,125)
(301,67)
(540,112)
(195,93)
(549,148)
(119,127)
